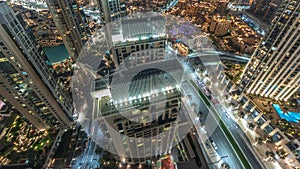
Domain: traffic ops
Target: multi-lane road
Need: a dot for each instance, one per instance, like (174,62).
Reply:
(216,134)
(88,160)
(231,125)
(240,137)
(220,139)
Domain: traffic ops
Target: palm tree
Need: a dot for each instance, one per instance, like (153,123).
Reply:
(249,113)
(296,154)
(270,155)
(251,125)
(271,117)
(241,114)
(291,131)
(258,140)
(200,114)
(281,153)
(269,139)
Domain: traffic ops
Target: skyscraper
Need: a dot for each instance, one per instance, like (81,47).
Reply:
(141,42)
(68,19)
(140,123)
(265,9)
(274,69)
(112,9)
(27,83)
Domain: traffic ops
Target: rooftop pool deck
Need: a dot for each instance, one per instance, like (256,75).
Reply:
(293,117)
(56,54)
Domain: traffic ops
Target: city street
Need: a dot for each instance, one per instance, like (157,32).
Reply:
(88,160)
(236,131)
(224,149)
(240,137)
(214,130)
(143,84)
(231,125)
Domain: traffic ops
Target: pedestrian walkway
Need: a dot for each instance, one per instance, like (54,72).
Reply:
(260,150)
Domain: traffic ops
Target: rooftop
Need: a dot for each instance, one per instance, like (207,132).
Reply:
(138,28)
(150,86)
(108,106)
(100,84)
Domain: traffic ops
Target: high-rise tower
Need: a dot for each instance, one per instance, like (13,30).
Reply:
(69,20)
(265,9)
(137,106)
(274,69)
(143,124)
(142,42)
(27,82)
(112,9)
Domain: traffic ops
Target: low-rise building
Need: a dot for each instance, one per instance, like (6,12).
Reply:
(220,26)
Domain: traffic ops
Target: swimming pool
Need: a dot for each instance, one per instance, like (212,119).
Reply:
(289,116)
(56,54)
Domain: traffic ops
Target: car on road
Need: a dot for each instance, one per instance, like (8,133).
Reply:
(227,116)
(199,114)
(189,96)
(213,144)
(73,163)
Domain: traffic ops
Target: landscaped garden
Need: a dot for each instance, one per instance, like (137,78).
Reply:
(25,143)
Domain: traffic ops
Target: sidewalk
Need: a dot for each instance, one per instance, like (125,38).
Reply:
(259,150)
(205,141)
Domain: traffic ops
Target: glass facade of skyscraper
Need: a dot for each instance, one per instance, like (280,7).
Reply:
(28,83)
(274,69)
(67,17)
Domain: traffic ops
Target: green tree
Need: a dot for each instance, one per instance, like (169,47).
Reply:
(258,140)
(241,114)
(270,154)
